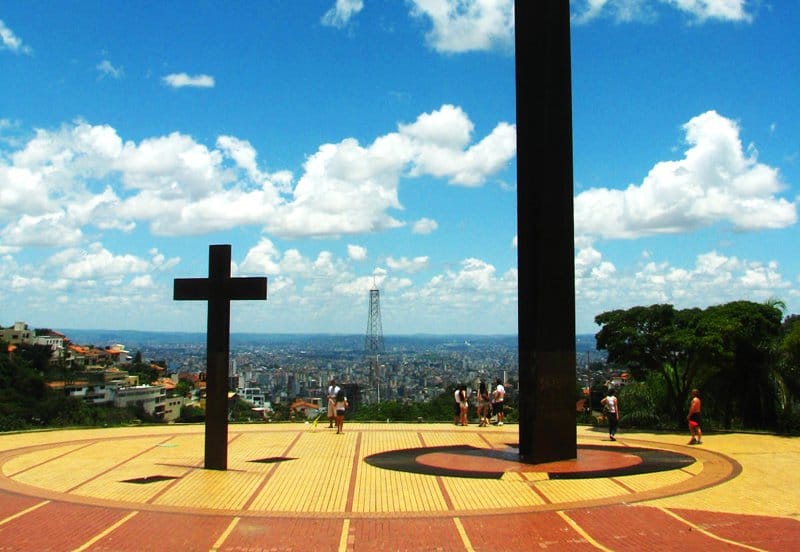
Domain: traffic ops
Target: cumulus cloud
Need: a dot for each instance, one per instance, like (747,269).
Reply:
(723,10)
(10,41)
(404,264)
(424,226)
(264,258)
(342,179)
(623,11)
(96,263)
(714,278)
(160,262)
(439,146)
(467,25)
(181,80)
(142,282)
(341,13)
(66,179)
(356,252)
(715,181)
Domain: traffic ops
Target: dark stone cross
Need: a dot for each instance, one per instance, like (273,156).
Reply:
(219,289)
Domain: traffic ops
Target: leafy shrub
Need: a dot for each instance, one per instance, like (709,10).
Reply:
(641,404)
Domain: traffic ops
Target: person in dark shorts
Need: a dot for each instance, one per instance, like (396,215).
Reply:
(484,405)
(611,411)
(457,404)
(340,405)
(498,400)
(695,419)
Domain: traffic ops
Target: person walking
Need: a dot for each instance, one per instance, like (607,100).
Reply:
(463,404)
(498,401)
(484,405)
(611,410)
(695,419)
(457,405)
(333,389)
(340,405)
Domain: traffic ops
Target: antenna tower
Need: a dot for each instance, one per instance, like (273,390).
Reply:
(373,343)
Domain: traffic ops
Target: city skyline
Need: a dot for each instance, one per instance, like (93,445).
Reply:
(356,144)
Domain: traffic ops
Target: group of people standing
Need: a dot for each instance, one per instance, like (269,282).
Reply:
(611,411)
(337,405)
(488,404)
(493,404)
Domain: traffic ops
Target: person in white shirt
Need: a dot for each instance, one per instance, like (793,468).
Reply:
(333,389)
(611,409)
(498,397)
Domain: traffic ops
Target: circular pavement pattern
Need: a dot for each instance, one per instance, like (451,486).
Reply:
(368,471)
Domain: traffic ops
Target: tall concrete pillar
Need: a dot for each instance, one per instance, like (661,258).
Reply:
(545,239)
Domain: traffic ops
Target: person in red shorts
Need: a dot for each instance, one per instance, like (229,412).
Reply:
(694,419)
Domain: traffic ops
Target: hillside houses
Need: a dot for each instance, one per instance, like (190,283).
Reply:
(97,376)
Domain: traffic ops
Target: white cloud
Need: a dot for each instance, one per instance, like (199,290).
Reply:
(97,263)
(160,262)
(404,264)
(424,226)
(142,282)
(242,152)
(106,69)
(177,186)
(262,259)
(467,25)
(356,252)
(438,140)
(341,13)
(589,263)
(624,11)
(723,10)
(39,230)
(10,41)
(348,188)
(713,279)
(715,181)
(181,80)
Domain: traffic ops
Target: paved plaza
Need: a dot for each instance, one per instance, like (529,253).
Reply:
(394,487)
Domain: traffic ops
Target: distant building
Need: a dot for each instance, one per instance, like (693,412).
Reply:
(252,395)
(172,408)
(310,408)
(96,394)
(17,334)
(151,398)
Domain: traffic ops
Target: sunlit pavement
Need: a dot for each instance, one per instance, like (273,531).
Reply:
(394,487)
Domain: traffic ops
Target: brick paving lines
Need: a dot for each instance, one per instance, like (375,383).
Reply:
(312,490)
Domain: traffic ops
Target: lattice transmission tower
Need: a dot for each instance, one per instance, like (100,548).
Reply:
(373,343)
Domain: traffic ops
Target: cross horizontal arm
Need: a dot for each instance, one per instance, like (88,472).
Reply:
(247,288)
(190,289)
(199,289)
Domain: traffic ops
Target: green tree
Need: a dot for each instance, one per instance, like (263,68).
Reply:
(655,339)
(729,350)
(747,389)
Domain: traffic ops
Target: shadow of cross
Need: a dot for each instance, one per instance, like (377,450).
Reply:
(219,289)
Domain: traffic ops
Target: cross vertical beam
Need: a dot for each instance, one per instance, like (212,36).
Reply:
(545,230)
(219,289)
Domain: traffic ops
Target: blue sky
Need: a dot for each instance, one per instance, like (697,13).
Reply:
(341,145)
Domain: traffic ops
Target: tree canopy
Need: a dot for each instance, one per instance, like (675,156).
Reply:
(729,349)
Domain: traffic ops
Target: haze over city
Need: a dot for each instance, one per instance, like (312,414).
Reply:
(351,144)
